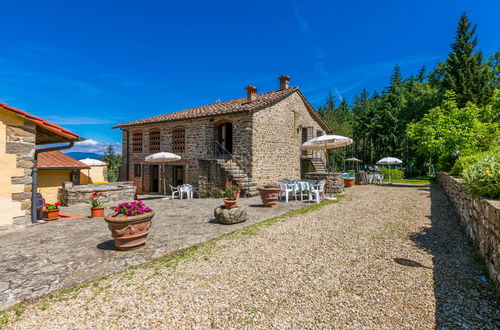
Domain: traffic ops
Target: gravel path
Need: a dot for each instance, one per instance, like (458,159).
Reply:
(384,257)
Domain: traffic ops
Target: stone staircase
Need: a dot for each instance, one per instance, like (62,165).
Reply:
(318,164)
(234,171)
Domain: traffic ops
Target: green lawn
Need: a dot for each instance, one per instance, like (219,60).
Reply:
(414,180)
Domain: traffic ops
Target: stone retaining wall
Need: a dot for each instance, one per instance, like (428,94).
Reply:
(481,218)
(334,181)
(114,192)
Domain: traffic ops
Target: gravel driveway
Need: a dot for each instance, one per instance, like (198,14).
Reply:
(384,257)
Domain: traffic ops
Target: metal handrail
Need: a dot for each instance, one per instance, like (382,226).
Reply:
(220,152)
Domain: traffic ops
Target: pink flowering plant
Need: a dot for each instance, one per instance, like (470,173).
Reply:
(131,209)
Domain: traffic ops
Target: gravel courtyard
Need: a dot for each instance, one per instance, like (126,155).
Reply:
(383,257)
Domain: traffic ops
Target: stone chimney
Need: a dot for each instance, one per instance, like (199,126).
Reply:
(284,82)
(251,93)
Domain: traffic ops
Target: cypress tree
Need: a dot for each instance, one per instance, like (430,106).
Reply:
(465,72)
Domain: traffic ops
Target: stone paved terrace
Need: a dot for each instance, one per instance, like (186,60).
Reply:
(36,260)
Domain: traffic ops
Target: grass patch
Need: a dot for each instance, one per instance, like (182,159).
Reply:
(414,180)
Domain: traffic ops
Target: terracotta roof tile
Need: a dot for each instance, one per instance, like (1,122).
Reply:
(57,159)
(227,107)
(64,134)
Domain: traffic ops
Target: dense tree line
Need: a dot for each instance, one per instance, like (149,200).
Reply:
(380,122)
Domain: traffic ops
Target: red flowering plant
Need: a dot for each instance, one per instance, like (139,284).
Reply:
(96,199)
(52,206)
(131,209)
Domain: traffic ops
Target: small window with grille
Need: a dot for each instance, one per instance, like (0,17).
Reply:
(154,140)
(137,142)
(178,139)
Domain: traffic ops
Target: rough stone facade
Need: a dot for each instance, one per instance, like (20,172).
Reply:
(277,137)
(20,141)
(114,192)
(265,146)
(481,218)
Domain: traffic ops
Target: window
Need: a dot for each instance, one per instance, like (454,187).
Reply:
(137,142)
(137,170)
(154,140)
(178,139)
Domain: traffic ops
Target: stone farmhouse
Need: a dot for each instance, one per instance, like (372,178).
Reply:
(254,140)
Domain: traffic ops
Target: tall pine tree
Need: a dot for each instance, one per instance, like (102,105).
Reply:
(465,72)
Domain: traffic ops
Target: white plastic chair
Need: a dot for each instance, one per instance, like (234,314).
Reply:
(302,187)
(185,189)
(174,191)
(317,190)
(285,190)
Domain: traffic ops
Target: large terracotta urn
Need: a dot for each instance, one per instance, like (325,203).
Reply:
(129,231)
(348,182)
(269,196)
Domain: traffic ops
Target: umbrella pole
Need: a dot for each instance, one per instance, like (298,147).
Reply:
(164,180)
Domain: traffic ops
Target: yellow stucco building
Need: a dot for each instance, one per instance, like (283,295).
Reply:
(55,168)
(20,133)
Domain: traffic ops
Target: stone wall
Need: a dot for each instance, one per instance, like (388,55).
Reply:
(334,181)
(19,141)
(114,191)
(277,137)
(481,218)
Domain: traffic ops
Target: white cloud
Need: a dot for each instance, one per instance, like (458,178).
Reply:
(94,146)
(302,23)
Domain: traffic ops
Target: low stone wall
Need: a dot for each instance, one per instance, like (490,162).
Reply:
(481,218)
(114,192)
(334,181)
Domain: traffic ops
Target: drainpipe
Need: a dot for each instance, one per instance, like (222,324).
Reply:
(34,176)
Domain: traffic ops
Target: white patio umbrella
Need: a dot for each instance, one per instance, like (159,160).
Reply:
(325,142)
(354,160)
(390,161)
(162,157)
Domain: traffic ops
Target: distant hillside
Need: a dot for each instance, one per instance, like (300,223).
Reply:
(83,155)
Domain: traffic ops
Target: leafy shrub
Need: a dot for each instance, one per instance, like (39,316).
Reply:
(466,161)
(395,173)
(482,178)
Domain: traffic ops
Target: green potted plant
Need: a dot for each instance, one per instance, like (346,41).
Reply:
(96,202)
(231,193)
(52,211)
(269,195)
(129,224)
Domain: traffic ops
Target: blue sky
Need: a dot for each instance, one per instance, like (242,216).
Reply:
(88,65)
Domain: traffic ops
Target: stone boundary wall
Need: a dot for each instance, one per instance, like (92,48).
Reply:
(114,192)
(481,218)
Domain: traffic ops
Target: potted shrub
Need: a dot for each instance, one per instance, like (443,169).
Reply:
(129,224)
(96,202)
(52,211)
(231,193)
(269,195)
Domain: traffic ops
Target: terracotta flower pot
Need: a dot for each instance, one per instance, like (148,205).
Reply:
(52,214)
(129,232)
(229,204)
(97,212)
(269,196)
(348,182)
